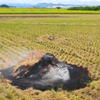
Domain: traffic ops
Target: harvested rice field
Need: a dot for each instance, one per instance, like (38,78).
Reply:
(73,38)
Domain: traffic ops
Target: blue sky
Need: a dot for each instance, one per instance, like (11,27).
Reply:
(88,2)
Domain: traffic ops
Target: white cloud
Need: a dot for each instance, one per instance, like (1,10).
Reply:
(98,0)
(85,0)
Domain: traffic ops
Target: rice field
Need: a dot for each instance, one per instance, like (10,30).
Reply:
(43,11)
(73,38)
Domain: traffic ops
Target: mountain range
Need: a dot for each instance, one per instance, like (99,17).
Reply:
(39,5)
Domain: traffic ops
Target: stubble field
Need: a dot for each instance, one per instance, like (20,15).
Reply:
(74,38)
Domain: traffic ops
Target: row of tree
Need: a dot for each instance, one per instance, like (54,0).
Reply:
(95,8)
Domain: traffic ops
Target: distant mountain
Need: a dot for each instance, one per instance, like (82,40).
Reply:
(43,5)
(39,5)
(24,5)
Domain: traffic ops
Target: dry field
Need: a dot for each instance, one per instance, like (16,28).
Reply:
(74,38)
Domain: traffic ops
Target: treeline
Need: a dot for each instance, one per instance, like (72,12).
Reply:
(93,8)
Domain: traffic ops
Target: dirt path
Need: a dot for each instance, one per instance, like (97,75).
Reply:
(37,16)
(29,16)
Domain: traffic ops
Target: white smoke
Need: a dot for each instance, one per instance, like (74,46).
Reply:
(8,60)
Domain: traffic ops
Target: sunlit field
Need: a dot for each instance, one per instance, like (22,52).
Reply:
(73,38)
(43,11)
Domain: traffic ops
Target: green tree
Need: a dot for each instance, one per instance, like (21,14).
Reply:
(95,8)
(4,6)
(58,7)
